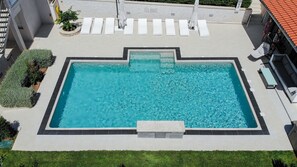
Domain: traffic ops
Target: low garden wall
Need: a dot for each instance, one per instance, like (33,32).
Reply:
(12,93)
(154,10)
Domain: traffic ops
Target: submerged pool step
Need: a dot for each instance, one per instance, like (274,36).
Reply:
(167,63)
(166,60)
(144,57)
(166,54)
(144,66)
(167,71)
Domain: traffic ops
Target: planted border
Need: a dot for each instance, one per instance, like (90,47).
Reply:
(12,94)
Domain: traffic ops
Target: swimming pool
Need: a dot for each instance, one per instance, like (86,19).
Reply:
(112,97)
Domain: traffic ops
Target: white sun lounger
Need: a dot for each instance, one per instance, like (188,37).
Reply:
(183,28)
(157,27)
(109,25)
(262,50)
(170,29)
(129,27)
(86,25)
(142,26)
(202,27)
(97,26)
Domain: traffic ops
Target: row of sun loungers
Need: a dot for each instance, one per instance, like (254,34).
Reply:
(94,26)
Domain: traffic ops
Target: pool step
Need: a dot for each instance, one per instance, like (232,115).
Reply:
(167,63)
(138,66)
(166,60)
(167,54)
(144,56)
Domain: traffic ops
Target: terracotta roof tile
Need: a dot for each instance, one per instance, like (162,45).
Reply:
(285,12)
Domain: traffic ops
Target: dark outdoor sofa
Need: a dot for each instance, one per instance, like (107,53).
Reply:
(287,74)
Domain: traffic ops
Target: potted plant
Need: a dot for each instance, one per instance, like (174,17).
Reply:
(67,19)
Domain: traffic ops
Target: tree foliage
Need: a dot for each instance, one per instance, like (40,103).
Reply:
(67,19)
(6,131)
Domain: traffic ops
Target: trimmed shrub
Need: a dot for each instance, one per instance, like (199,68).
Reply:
(6,131)
(17,97)
(12,94)
(43,58)
(231,3)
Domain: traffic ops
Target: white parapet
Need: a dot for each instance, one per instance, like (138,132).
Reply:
(160,129)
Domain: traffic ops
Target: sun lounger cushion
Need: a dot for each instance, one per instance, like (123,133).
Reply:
(97,26)
(202,27)
(183,28)
(86,25)
(129,27)
(170,29)
(157,27)
(262,50)
(142,26)
(109,25)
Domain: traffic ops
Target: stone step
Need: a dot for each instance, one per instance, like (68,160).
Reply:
(167,55)
(3,29)
(4,10)
(167,71)
(166,60)
(152,56)
(3,20)
(167,65)
(4,15)
(143,66)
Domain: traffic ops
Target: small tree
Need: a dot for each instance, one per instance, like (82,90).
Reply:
(66,19)
(6,131)
(34,75)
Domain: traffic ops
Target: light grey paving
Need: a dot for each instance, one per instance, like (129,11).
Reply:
(225,40)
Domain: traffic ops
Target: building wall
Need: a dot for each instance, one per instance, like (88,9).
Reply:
(32,14)
(31,17)
(44,11)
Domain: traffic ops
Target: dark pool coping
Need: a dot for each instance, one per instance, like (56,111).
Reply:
(43,131)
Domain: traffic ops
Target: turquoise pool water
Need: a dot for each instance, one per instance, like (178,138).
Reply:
(203,95)
(6,144)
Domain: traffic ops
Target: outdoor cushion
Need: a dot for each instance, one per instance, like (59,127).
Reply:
(202,27)
(292,90)
(86,25)
(142,26)
(109,25)
(289,68)
(129,28)
(294,78)
(97,26)
(183,28)
(285,61)
(157,27)
(169,24)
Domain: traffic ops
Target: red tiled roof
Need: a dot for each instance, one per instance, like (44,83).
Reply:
(285,12)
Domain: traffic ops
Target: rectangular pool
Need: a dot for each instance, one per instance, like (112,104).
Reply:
(151,86)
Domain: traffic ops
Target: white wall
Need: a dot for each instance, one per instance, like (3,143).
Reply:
(32,13)
(96,8)
(44,11)
(31,16)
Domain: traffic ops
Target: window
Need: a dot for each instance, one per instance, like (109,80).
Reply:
(12,2)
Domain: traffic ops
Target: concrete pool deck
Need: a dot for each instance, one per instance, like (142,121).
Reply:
(225,40)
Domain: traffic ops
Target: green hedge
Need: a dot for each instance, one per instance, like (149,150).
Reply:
(232,3)
(12,94)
